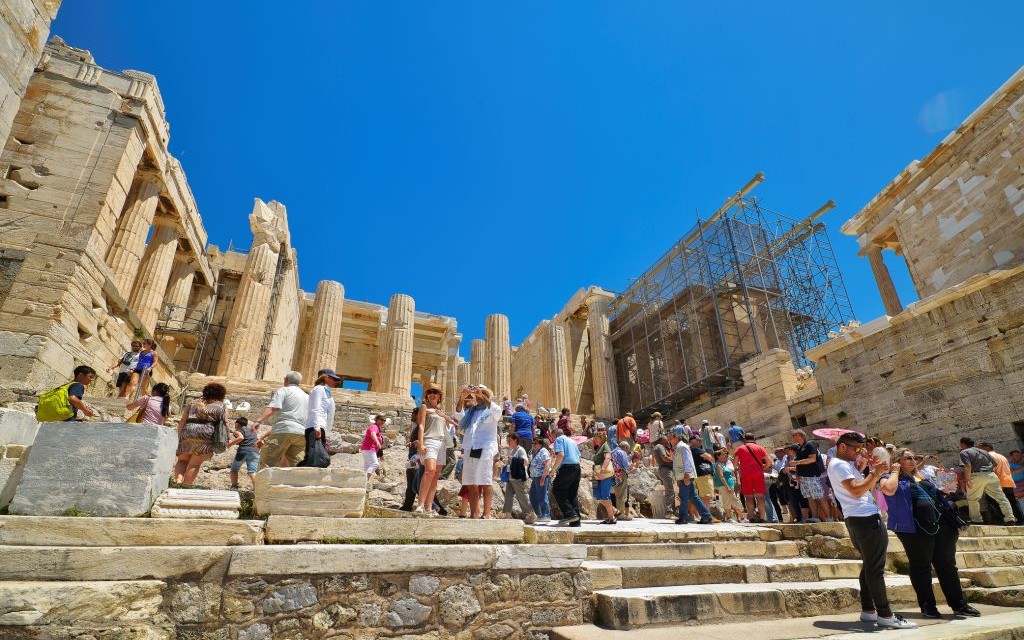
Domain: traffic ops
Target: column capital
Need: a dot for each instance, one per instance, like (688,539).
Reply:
(150,177)
(165,222)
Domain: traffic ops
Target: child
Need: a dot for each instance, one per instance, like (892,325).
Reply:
(248,451)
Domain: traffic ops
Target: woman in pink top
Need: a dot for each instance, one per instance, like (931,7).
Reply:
(156,407)
(373,445)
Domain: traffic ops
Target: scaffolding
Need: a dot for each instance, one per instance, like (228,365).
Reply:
(741,282)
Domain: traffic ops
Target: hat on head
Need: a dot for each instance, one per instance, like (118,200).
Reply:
(704,422)
(329,373)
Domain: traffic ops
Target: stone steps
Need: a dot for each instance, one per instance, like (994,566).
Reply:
(633,574)
(646,531)
(127,532)
(838,530)
(695,550)
(995,576)
(631,608)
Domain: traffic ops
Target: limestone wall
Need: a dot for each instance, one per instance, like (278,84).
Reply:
(950,365)
(24,26)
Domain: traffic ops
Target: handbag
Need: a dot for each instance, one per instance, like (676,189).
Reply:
(606,470)
(316,452)
(136,417)
(927,516)
(220,435)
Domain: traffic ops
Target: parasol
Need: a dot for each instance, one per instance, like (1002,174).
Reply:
(833,433)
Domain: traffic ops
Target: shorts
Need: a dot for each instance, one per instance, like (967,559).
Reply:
(704,486)
(370,461)
(123,378)
(250,458)
(478,471)
(812,488)
(603,489)
(435,449)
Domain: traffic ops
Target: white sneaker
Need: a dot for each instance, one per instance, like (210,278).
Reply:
(418,509)
(868,617)
(896,622)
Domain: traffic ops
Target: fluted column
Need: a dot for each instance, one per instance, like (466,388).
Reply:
(243,338)
(179,289)
(324,333)
(129,245)
(395,363)
(497,356)
(154,272)
(462,375)
(606,391)
(477,357)
(559,367)
(886,288)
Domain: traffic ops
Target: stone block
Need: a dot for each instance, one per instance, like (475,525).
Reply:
(126,532)
(17,427)
(79,603)
(318,559)
(106,469)
(339,493)
(282,528)
(113,563)
(197,503)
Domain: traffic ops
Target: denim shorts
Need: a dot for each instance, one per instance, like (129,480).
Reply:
(603,489)
(250,458)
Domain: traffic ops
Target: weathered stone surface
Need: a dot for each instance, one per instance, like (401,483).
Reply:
(258,631)
(195,602)
(547,588)
(291,598)
(126,532)
(197,503)
(410,612)
(111,563)
(287,560)
(17,427)
(458,605)
(424,585)
(118,470)
(61,603)
(282,528)
(327,492)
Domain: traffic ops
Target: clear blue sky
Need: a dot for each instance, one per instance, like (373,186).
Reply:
(495,157)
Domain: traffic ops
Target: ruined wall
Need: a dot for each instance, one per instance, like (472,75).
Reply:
(24,26)
(948,366)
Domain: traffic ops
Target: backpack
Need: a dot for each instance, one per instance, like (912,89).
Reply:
(55,405)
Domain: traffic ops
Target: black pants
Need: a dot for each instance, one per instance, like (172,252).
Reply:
(773,495)
(796,505)
(1014,504)
(939,551)
(566,487)
(870,538)
(411,485)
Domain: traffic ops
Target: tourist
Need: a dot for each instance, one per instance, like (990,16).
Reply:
(586,428)
(706,437)
(432,445)
(526,401)
(125,366)
(612,432)
(918,516)
(604,474)
(286,442)
(413,468)
(543,427)
(479,419)
(320,415)
(564,423)
(753,461)
(245,437)
(54,408)
(777,482)
(799,508)
(718,439)
(626,429)
(736,433)
(1006,482)
(662,459)
(566,484)
(524,425)
(506,406)
(684,473)
(704,462)
(980,479)
(145,365)
(539,466)
(624,466)
(195,432)
(373,445)
(809,469)
(1017,473)
(155,408)
(725,482)
(515,488)
(655,429)
(451,440)
(864,524)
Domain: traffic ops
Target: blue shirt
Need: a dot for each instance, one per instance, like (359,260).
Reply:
(568,448)
(612,431)
(523,423)
(736,433)
(620,459)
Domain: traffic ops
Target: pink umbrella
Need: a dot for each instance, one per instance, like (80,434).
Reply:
(833,433)
(579,439)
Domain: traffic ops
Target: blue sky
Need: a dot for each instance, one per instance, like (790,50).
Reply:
(496,157)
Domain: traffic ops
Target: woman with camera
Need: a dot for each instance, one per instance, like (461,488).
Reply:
(926,524)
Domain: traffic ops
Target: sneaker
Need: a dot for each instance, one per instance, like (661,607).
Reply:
(811,521)
(931,613)
(679,521)
(565,522)
(896,621)
(966,610)
(418,509)
(575,523)
(868,617)
(706,521)
(544,519)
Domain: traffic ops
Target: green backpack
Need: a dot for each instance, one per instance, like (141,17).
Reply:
(54,405)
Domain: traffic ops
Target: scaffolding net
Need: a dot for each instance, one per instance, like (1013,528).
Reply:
(741,282)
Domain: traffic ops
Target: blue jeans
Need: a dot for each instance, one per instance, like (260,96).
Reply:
(539,498)
(687,495)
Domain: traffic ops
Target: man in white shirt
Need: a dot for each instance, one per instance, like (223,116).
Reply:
(864,524)
(286,440)
(479,419)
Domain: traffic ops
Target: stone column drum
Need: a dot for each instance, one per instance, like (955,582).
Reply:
(179,289)
(477,357)
(451,388)
(886,288)
(394,373)
(606,392)
(463,374)
(244,336)
(324,329)
(151,284)
(559,367)
(497,356)
(129,243)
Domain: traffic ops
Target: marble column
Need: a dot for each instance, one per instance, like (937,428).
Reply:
(323,337)
(154,272)
(497,356)
(179,290)
(126,251)
(395,362)
(243,338)
(451,388)
(462,375)
(477,357)
(886,288)
(602,365)
(560,385)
